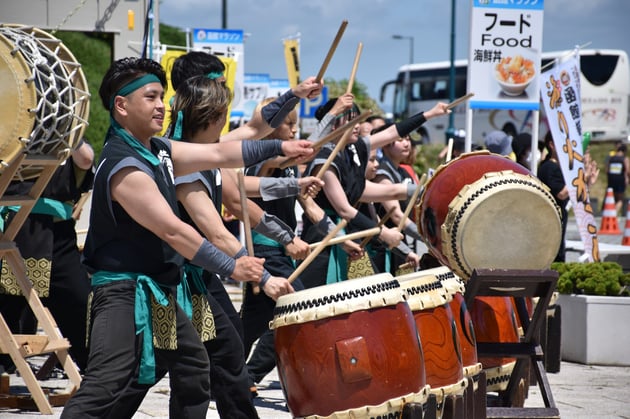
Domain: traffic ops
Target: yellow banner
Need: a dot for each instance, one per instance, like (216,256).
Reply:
(292,59)
(167,62)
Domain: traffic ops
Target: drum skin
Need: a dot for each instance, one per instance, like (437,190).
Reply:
(361,357)
(483,210)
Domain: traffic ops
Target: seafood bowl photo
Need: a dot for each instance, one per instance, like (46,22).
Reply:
(514,74)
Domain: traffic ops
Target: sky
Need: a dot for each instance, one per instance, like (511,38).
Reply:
(567,23)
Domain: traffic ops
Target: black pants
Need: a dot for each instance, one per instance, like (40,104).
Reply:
(257,312)
(114,361)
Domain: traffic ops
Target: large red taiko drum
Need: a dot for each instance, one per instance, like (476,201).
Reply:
(350,349)
(482,210)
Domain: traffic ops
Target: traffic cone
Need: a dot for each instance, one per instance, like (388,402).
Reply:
(626,232)
(609,215)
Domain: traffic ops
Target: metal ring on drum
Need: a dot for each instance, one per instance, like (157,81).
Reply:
(430,304)
(60,112)
(349,349)
(483,210)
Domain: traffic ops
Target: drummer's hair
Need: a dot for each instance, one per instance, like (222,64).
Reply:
(202,101)
(194,63)
(124,71)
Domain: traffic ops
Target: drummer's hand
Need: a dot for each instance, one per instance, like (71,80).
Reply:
(309,88)
(276,287)
(298,249)
(439,109)
(353,249)
(248,267)
(310,185)
(390,236)
(413,259)
(302,150)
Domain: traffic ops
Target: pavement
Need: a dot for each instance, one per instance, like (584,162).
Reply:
(580,391)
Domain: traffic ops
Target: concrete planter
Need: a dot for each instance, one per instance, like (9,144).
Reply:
(594,329)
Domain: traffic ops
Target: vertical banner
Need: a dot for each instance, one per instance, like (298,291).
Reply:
(505,48)
(292,59)
(560,93)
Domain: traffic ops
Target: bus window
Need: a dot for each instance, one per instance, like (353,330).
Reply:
(598,68)
(441,90)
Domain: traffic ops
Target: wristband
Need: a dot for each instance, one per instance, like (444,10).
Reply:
(213,260)
(265,277)
(275,112)
(410,124)
(361,222)
(402,249)
(272,188)
(242,252)
(257,151)
(325,225)
(411,230)
(274,228)
(411,189)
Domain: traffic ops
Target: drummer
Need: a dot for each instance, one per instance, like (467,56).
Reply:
(136,245)
(346,186)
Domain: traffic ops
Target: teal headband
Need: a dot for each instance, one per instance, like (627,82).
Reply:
(214,75)
(134,85)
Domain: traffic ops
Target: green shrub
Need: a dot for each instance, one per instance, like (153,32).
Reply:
(597,278)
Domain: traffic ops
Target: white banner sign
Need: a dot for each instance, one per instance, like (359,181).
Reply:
(560,92)
(505,48)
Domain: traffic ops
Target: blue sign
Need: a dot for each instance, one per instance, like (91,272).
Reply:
(309,106)
(218,36)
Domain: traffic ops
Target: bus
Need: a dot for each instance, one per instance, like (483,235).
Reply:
(604,85)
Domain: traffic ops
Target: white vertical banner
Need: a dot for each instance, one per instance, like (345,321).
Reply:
(560,93)
(505,49)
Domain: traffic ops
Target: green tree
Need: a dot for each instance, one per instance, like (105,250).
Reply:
(337,88)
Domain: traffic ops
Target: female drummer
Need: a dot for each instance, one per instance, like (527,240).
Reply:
(346,186)
(135,249)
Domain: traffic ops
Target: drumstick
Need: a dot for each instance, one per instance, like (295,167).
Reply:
(249,244)
(412,202)
(459,100)
(405,265)
(380,224)
(331,136)
(449,150)
(354,68)
(321,246)
(352,236)
(331,51)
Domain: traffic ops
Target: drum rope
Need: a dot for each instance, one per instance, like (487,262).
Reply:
(69,15)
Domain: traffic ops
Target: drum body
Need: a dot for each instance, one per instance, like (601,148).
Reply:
(494,320)
(348,349)
(483,210)
(44,69)
(429,302)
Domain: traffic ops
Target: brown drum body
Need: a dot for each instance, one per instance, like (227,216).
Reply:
(483,210)
(466,333)
(494,320)
(429,302)
(349,348)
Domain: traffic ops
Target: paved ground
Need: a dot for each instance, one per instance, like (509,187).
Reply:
(580,391)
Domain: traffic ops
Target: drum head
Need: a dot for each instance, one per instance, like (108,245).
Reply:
(504,220)
(18,97)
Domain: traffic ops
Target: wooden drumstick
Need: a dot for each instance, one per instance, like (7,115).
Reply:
(354,67)
(331,136)
(405,265)
(249,244)
(449,150)
(321,246)
(412,202)
(380,224)
(352,236)
(331,51)
(459,100)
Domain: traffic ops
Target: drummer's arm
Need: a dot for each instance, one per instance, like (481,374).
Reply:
(83,155)
(376,192)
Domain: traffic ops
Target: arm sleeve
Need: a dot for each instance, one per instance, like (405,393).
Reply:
(275,112)
(272,188)
(407,126)
(257,151)
(214,260)
(274,228)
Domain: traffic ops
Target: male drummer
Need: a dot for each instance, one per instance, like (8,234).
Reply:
(136,245)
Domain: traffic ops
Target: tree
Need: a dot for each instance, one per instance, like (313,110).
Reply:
(359,90)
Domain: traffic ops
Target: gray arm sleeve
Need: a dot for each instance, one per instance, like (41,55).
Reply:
(326,225)
(323,128)
(272,188)
(265,276)
(411,230)
(274,228)
(402,249)
(213,260)
(257,151)
(275,112)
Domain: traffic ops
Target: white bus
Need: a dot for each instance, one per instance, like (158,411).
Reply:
(605,91)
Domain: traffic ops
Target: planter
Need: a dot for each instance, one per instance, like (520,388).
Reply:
(594,329)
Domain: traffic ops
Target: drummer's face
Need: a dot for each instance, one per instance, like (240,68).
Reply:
(143,111)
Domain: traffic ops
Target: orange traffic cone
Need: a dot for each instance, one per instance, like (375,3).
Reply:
(626,232)
(609,215)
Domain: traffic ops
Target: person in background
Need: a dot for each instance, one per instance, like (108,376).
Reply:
(135,252)
(48,236)
(499,142)
(522,148)
(550,173)
(618,175)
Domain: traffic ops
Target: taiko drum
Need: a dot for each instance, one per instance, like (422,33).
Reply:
(349,349)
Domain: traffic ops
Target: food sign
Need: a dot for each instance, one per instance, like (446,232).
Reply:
(505,48)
